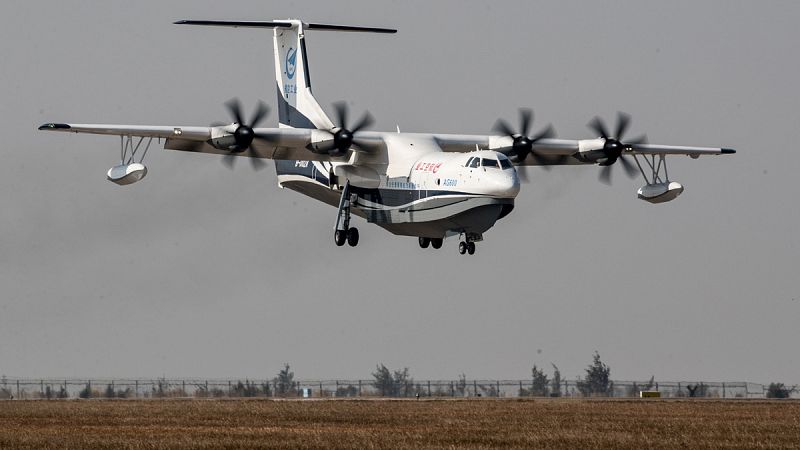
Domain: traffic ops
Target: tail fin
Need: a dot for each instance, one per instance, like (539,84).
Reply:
(297,107)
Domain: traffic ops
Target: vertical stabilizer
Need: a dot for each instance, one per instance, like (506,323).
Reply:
(297,107)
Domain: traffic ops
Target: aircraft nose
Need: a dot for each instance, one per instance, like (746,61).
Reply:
(507,184)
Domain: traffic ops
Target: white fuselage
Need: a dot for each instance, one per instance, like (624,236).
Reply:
(419,189)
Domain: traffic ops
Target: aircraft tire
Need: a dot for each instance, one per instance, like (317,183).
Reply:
(462,247)
(352,237)
(437,243)
(471,248)
(339,237)
(424,242)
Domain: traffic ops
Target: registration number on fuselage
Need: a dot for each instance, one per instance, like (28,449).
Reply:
(450,182)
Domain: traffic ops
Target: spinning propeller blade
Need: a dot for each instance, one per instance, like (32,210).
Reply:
(244,134)
(343,136)
(614,146)
(522,145)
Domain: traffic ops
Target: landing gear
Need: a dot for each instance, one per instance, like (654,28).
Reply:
(342,232)
(466,247)
(468,244)
(339,237)
(352,237)
(436,243)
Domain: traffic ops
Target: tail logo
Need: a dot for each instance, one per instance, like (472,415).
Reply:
(291,62)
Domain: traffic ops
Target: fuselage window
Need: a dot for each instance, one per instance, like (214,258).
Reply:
(489,162)
(505,163)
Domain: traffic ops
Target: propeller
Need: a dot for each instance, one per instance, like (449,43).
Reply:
(614,146)
(344,136)
(522,146)
(244,134)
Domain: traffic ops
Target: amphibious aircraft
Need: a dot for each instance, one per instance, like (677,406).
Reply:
(425,185)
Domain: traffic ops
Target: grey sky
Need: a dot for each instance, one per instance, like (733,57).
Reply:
(201,271)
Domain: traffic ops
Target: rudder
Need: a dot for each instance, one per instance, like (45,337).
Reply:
(297,107)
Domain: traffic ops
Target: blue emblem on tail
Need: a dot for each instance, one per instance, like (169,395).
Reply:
(291,63)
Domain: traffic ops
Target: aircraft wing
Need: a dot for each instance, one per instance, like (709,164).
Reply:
(563,148)
(270,143)
(566,149)
(164,132)
(694,152)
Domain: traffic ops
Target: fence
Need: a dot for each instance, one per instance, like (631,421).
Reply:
(12,388)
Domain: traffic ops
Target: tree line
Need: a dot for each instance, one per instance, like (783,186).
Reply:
(398,383)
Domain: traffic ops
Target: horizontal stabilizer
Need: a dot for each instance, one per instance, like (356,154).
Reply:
(281,24)
(325,27)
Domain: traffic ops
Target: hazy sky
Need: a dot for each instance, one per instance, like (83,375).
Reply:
(201,271)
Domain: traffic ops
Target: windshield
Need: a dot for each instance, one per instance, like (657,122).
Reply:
(505,163)
(489,162)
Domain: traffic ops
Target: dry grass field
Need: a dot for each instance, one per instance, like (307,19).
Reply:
(546,423)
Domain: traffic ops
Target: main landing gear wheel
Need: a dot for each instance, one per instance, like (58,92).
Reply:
(340,236)
(424,242)
(352,237)
(437,243)
(466,247)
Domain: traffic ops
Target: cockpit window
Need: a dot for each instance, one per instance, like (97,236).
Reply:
(489,162)
(475,162)
(505,163)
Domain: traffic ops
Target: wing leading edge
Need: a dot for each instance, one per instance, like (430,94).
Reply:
(294,143)
(273,143)
(566,147)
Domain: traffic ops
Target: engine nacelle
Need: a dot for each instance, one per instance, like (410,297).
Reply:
(591,150)
(124,174)
(660,192)
(225,142)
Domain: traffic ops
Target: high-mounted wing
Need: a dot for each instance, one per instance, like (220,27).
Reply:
(565,147)
(541,148)
(270,143)
(552,148)
(694,152)
(164,132)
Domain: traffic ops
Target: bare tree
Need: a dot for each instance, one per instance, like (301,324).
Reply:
(461,386)
(555,384)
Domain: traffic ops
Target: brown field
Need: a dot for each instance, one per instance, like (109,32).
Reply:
(545,423)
